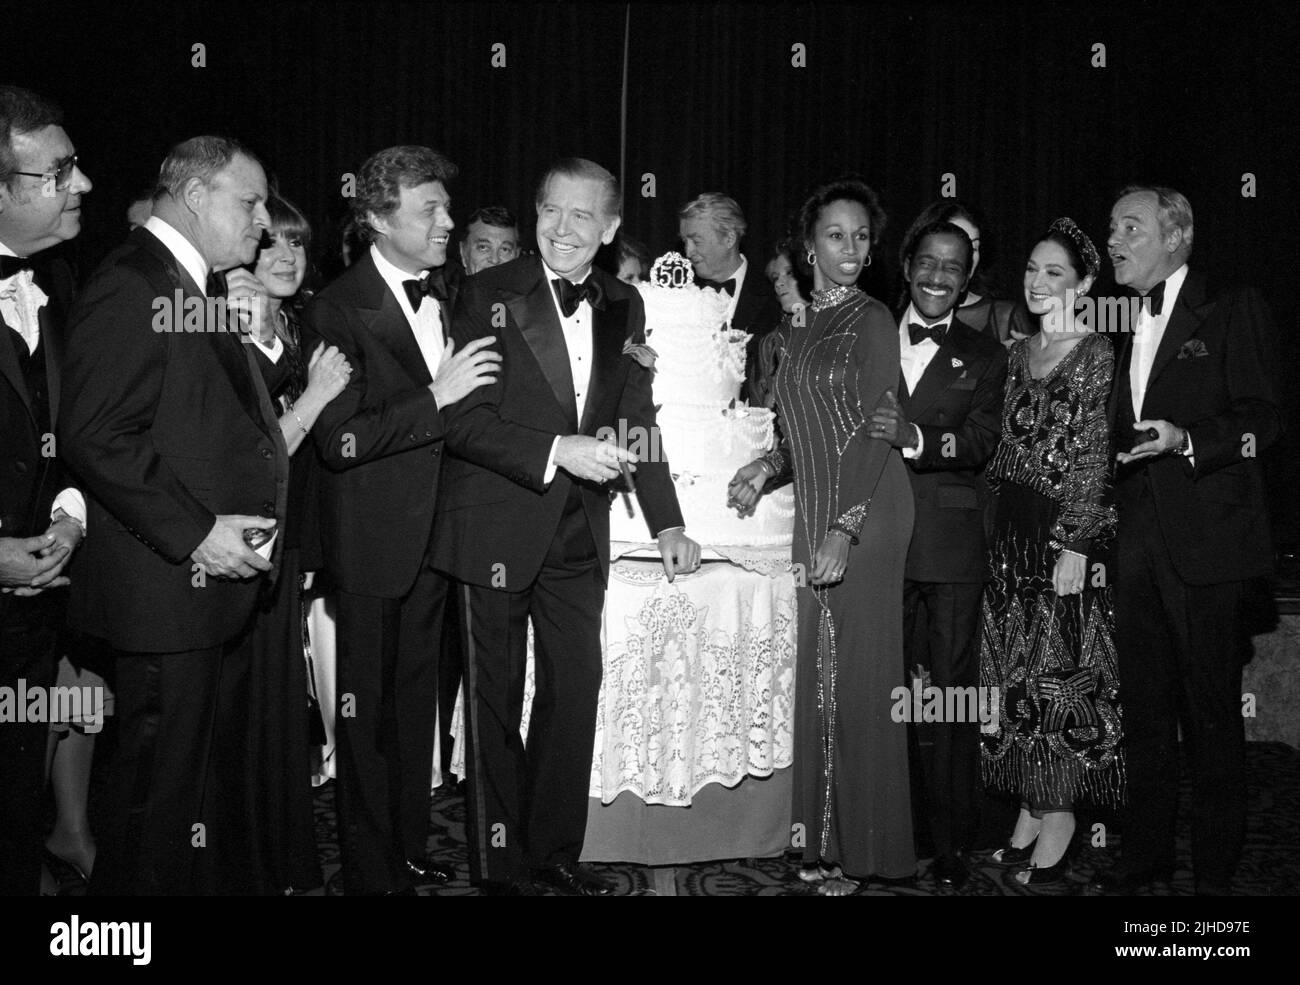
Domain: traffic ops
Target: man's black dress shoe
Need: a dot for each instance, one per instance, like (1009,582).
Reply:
(1124,880)
(516,887)
(572,879)
(950,870)
(426,870)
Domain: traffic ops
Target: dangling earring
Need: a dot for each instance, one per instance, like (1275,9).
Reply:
(812,258)
(868,263)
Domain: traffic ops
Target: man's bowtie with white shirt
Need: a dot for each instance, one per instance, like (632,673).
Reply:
(915,358)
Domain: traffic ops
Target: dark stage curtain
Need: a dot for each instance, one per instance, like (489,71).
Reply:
(1006,99)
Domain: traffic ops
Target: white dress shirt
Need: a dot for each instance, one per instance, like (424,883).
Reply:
(21,301)
(577,340)
(1147,333)
(915,359)
(426,324)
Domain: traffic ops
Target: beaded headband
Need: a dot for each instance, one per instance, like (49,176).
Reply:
(1091,258)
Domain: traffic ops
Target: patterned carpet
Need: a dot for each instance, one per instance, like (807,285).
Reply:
(1270,865)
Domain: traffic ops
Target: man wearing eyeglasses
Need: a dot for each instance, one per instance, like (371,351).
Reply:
(41,521)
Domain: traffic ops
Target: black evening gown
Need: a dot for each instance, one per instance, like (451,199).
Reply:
(851,799)
(1052,658)
(278,791)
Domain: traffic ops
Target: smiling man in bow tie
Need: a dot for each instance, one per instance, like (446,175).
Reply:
(1193,529)
(523,525)
(41,521)
(946,420)
(711,227)
(381,443)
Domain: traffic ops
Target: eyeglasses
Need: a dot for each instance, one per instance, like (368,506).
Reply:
(61,175)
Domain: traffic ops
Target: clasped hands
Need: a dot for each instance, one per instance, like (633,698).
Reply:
(598,460)
(30,565)
(832,557)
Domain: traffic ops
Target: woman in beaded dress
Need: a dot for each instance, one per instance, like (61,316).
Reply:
(1047,623)
(853,523)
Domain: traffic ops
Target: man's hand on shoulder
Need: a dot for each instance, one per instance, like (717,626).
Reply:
(461,373)
(223,553)
(681,555)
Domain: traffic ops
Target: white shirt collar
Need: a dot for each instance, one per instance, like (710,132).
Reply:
(1173,284)
(393,275)
(6,252)
(739,275)
(552,275)
(185,252)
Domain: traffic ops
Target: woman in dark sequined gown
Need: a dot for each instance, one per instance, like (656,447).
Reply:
(852,526)
(1047,623)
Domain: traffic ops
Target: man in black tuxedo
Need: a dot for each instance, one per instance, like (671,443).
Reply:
(523,525)
(947,421)
(41,521)
(381,443)
(167,422)
(711,227)
(1193,529)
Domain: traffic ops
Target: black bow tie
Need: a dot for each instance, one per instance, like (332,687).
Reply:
(418,290)
(12,265)
(216,285)
(918,332)
(1156,297)
(718,285)
(571,294)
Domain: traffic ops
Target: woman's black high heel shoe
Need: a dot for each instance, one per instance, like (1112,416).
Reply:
(67,874)
(1009,854)
(1050,875)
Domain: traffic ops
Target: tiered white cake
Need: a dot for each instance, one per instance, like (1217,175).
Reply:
(706,431)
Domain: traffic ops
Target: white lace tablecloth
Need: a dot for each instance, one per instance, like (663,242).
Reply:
(699,677)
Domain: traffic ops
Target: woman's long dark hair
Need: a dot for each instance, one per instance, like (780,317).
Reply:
(287,218)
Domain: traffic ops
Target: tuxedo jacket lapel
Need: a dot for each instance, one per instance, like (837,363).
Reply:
(52,316)
(1184,321)
(608,331)
(1121,391)
(939,374)
(225,344)
(534,313)
(10,369)
(382,314)
(904,394)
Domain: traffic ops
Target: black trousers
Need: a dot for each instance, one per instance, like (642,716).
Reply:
(528,806)
(177,821)
(941,635)
(28,654)
(1179,661)
(387,702)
